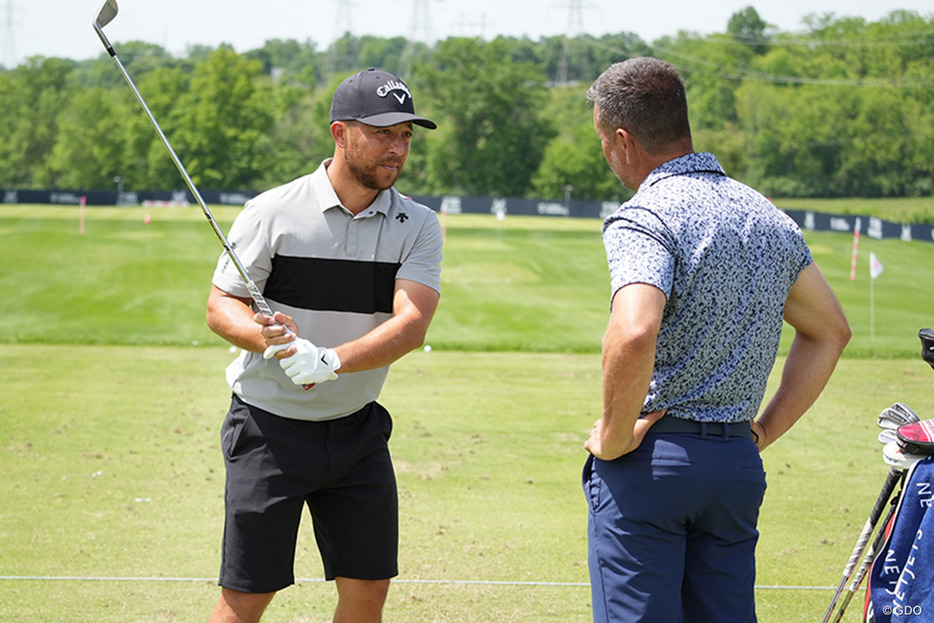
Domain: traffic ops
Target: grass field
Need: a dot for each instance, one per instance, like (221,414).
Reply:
(114,395)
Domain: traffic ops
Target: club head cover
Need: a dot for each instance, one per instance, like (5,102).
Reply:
(898,458)
(917,437)
(927,345)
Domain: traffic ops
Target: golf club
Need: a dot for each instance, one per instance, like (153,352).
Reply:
(891,481)
(868,558)
(897,457)
(105,15)
(897,415)
(887,434)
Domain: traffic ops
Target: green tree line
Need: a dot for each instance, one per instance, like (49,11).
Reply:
(844,108)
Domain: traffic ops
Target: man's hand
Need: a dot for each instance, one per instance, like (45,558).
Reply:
(309,364)
(759,434)
(302,361)
(607,446)
(279,332)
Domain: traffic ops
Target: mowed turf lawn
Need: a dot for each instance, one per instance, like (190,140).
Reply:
(113,396)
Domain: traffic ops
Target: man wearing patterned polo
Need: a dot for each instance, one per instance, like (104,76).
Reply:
(351,269)
(703,271)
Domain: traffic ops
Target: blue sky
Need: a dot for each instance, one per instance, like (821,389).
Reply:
(63,27)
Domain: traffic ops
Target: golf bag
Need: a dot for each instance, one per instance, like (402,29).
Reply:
(901,579)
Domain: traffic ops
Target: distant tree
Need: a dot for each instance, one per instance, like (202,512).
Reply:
(573,163)
(747,27)
(494,136)
(222,121)
(32,97)
(89,149)
(147,164)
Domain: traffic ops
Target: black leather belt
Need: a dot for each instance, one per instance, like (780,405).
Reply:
(671,424)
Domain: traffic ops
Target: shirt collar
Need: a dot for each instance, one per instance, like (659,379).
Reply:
(697,162)
(328,199)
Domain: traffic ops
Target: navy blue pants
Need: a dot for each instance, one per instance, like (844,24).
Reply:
(672,530)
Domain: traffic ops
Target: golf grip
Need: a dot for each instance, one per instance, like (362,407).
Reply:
(867,559)
(888,486)
(255,294)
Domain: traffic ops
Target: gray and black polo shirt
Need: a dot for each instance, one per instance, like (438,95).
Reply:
(334,273)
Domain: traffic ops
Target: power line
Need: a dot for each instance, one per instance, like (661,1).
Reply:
(695,64)
(343,25)
(463,25)
(420,32)
(575,28)
(8,53)
(921,38)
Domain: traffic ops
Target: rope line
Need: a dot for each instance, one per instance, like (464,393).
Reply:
(73,578)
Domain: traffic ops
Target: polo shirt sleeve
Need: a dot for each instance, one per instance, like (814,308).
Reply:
(251,248)
(422,263)
(639,249)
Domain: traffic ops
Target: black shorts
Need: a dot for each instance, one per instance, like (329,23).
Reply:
(340,468)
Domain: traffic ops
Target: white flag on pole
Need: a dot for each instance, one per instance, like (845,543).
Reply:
(875,266)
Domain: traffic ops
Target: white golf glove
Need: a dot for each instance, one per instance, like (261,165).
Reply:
(310,364)
(271,351)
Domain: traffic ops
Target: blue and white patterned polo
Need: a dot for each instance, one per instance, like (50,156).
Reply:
(726,258)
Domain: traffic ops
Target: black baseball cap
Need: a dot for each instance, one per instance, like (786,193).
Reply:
(375,98)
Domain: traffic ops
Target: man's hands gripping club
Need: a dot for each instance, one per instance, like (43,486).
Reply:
(302,361)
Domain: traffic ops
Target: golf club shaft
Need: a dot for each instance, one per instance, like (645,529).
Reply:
(887,487)
(867,559)
(255,294)
(107,12)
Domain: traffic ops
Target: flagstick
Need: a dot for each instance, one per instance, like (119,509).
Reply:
(875,269)
(81,215)
(444,221)
(855,249)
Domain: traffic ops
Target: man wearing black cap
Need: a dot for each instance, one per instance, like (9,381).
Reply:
(351,269)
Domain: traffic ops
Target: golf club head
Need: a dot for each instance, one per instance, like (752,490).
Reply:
(897,415)
(887,435)
(897,458)
(907,412)
(107,13)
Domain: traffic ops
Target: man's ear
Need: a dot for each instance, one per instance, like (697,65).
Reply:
(627,142)
(339,133)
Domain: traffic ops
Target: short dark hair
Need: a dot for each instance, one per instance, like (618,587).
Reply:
(646,97)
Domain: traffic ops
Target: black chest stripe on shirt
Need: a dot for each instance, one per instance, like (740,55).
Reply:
(332,285)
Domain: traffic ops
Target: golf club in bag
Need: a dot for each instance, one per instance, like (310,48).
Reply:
(908,444)
(105,15)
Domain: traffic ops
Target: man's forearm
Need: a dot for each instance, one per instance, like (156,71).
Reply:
(628,363)
(232,319)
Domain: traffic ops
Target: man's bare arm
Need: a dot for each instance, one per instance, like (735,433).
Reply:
(628,364)
(821,333)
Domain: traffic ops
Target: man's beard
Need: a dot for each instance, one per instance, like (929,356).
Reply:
(369,176)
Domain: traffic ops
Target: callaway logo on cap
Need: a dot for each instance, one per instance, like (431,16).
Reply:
(375,98)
